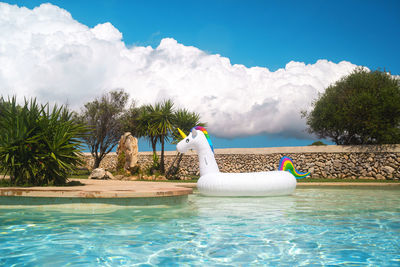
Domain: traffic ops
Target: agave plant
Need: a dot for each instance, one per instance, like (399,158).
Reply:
(38,145)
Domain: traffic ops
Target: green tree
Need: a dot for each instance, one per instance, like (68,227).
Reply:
(184,120)
(361,108)
(146,129)
(131,120)
(156,123)
(163,122)
(104,117)
(38,145)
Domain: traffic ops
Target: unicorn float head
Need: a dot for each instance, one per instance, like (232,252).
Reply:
(214,183)
(199,140)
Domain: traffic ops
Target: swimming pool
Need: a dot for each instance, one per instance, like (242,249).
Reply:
(315,226)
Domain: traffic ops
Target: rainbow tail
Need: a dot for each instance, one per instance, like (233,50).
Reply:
(286,164)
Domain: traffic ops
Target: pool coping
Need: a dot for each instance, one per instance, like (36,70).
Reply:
(348,184)
(100,189)
(342,184)
(136,189)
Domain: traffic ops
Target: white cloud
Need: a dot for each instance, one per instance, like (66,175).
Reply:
(45,53)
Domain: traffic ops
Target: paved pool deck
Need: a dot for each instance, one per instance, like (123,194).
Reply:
(101,189)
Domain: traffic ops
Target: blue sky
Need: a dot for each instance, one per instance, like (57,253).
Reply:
(268,34)
(257,33)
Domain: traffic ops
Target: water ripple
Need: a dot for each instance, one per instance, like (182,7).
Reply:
(312,227)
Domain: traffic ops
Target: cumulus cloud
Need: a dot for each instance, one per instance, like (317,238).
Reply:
(45,53)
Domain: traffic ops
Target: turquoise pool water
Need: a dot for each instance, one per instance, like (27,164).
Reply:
(319,226)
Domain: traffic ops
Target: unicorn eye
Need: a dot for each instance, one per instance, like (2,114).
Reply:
(187,140)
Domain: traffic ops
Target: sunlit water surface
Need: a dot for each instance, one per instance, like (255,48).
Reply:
(320,226)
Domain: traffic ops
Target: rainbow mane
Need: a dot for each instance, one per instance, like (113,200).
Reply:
(206,135)
(286,164)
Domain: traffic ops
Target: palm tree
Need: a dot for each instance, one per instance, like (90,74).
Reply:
(156,123)
(162,123)
(144,128)
(184,120)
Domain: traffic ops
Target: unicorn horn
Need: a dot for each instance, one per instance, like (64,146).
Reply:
(182,133)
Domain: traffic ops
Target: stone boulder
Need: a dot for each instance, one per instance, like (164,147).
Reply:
(127,151)
(388,169)
(101,174)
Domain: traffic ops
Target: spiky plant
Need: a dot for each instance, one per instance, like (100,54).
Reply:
(38,145)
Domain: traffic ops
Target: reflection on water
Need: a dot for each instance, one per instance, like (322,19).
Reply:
(318,226)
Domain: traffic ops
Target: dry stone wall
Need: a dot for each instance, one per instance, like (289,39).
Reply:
(108,163)
(378,163)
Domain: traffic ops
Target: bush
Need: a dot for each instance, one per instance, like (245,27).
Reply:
(38,145)
(120,168)
(318,143)
(361,108)
(154,168)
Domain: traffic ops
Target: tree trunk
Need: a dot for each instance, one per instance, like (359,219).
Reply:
(179,160)
(97,161)
(153,146)
(162,166)
(173,170)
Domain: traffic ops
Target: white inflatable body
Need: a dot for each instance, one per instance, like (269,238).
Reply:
(273,183)
(214,183)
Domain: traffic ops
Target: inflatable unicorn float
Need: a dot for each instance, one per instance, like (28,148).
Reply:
(212,182)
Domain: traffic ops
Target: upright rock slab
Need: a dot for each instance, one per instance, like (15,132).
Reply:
(127,151)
